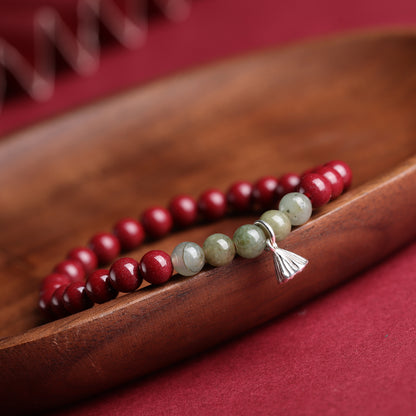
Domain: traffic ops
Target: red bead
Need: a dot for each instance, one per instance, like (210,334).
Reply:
(57,304)
(184,210)
(156,267)
(212,204)
(49,285)
(75,298)
(124,275)
(55,280)
(129,232)
(105,246)
(344,170)
(45,298)
(98,286)
(287,183)
(86,257)
(337,184)
(157,221)
(239,196)
(317,188)
(264,192)
(72,268)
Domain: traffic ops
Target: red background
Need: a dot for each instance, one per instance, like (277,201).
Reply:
(350,352)
(214,30)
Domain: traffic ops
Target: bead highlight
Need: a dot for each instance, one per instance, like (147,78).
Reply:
(219,249)
(249,241)
(124,275)
(188,258)
(297,207)
(279,222)
(156,267)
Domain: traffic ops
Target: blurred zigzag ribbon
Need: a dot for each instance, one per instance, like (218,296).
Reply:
(80,49)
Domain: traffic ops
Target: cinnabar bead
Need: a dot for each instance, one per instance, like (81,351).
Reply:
(124,275)
(105,246)
(49,285)
(75,298)
(86,257)
(72,268)
(57,307)
(212,204)
(317,188)
(156,267)
(337,184)
(157,221)
(129,232)
(287,183)
(55,280)
(44,303)
(184,210)
(239,196)
(98,286)
(264,192)
(344,170)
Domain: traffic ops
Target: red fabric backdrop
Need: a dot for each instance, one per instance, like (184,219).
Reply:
(350,352)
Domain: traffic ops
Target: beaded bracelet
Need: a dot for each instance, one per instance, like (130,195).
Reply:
(64,291)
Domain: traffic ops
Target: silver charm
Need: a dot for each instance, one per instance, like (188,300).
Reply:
(286,263)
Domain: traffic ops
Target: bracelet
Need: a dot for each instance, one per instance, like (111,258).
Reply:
(66,292)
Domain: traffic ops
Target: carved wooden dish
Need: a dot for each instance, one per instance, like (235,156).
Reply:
(350,98)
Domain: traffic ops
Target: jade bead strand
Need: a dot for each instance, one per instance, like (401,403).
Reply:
(249,240)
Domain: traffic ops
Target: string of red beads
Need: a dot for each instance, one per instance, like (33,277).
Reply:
(65,291)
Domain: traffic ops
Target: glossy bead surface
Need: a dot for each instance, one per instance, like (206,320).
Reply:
(55,280)
(75,298)
(156,267)
(105,246)
(188,258)
(287,183)
(239,196)
(157,221)
(98,286)
(49,285)
(249,241)
(44,303)
(72,268)
(184,210)
(344,170)
(130,233)
(334,178)
(279,222)
(57,307)
(264,192)
(124,275)
(212,204)
(86,257)
(317,188)
(297,207)
(219,249)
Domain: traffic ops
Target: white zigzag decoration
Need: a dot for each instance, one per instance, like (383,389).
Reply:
(81,50)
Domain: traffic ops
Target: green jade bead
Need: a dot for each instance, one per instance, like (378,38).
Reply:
(219,249)
(297,207)
(188,258)
(249,241)
(279,222)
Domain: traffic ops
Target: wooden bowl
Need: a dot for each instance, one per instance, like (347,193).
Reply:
(351,97)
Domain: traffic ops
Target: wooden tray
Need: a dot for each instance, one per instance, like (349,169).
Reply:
(350,98)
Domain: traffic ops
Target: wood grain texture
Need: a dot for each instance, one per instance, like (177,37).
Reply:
(350,98)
